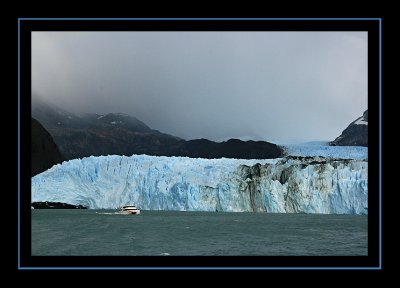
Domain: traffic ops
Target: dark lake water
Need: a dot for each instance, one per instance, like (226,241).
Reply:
(101,232)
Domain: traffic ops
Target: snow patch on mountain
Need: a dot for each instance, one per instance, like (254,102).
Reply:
(361,121)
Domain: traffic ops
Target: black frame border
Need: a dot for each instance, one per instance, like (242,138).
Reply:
(374,258)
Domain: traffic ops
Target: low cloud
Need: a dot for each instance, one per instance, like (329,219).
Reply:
(277,86)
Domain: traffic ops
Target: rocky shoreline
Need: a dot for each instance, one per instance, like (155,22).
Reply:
(55,205)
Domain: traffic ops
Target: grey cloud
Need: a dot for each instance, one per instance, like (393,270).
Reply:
(277,86)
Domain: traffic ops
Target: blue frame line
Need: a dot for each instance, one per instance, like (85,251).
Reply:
(19,140)
(200,268)
(198,19)
(204,268)
(380,143)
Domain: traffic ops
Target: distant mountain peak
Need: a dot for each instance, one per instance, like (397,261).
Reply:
(356,134)
(126,120)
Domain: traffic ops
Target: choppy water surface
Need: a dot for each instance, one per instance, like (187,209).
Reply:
(103,232)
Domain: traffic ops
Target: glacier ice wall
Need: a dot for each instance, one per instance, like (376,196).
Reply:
(285,185)
(323,149)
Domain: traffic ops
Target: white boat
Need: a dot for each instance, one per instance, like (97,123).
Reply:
(130,209)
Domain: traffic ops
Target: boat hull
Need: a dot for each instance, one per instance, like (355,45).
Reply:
(135,212)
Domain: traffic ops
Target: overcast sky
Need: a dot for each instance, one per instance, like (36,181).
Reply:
(275,86)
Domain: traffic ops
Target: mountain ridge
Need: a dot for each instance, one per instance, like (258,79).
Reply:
(93,134)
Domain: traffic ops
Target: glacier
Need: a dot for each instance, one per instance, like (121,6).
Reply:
(292,184)
(320,148)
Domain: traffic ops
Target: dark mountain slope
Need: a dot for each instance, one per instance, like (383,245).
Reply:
(233,148)
(356,134)
(44,151)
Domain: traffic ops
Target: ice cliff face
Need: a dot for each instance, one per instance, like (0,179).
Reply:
(285,185)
